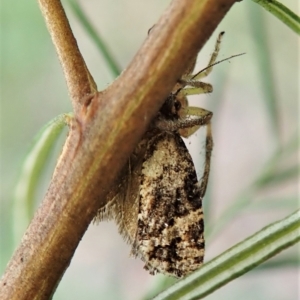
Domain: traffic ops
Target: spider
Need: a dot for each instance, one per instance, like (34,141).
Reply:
(177,115)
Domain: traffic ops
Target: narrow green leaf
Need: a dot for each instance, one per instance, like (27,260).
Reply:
(271,174)
(285,203)
(265,67)
(287,262)
(32,168)
(102,47)
(278,177)
(280,11)
(237,261)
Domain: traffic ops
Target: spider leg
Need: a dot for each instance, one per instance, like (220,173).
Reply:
(194,112)
(208,150)
(192,117)
(206,71)
(198,87)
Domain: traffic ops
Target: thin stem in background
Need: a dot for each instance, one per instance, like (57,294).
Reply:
(31,172)
(95,36)
(264,69)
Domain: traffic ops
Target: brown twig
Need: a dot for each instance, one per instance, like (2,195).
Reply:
(102,135)
(79,80)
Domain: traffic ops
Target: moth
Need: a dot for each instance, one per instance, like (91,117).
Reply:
(157,200)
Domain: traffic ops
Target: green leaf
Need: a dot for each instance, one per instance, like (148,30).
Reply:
(282,13)
(237,261)
(34,164)
(287,262)
(265,68)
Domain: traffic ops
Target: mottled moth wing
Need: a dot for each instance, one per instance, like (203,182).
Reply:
(169,236)
(157,206)
(123,199)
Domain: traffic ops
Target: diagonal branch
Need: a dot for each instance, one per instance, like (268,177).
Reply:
(102,135)
(79,80)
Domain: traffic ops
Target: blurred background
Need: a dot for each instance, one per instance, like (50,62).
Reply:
(254,179)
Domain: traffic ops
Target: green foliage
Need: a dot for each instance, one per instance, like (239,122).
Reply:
(31,172)
(281,12)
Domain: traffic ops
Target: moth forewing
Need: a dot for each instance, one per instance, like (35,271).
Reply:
(170,221)
(123,199)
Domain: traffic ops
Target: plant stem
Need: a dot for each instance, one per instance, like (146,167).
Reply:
(79,80)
